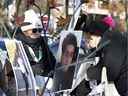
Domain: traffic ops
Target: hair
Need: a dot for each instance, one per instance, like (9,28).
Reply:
(70,39)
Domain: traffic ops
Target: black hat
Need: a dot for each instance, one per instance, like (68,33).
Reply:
(101,26)
(96,28)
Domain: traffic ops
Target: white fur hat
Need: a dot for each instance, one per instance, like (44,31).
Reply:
(26,26)
(31,21)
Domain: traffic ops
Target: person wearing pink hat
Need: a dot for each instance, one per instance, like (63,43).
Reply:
(112,55)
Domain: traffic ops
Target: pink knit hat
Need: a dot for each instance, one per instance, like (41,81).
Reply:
(109,21)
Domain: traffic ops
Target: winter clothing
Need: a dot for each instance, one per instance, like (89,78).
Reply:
(47,60)
(114,57)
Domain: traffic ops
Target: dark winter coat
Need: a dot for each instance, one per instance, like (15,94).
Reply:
(115,57)
(47,62)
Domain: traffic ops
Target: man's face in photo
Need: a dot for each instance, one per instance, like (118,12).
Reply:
(68,54)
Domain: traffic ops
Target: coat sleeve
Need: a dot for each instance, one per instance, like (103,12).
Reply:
(49,60)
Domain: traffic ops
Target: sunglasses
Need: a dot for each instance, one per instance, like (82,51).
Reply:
(37,30)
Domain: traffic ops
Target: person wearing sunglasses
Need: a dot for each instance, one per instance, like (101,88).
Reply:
(40,57)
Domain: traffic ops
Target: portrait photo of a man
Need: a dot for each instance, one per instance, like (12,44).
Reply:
(67,54)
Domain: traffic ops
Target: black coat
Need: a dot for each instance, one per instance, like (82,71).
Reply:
(115,57)
(47,62)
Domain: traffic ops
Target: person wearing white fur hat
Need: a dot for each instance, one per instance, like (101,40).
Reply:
(40,57)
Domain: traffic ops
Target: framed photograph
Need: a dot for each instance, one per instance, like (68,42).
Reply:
(67,54)
(71,38)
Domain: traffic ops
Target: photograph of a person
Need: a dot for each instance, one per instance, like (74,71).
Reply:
(69,49)
(67,54)
(69,45)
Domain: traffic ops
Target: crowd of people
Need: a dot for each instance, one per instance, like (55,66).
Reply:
(44,64)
